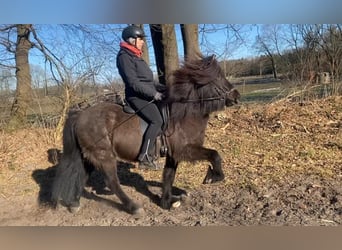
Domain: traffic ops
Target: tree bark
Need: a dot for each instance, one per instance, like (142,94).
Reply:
(165,49)
(23,96)
(170,51)
(190,41)
(157,37)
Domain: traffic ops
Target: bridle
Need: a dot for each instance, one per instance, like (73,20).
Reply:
(216,98)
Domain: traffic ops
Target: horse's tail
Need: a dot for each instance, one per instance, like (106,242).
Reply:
(70,174)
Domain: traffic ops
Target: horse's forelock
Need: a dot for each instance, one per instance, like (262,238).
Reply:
(204,73)
(199,71)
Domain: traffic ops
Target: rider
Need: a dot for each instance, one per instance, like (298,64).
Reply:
(141,92)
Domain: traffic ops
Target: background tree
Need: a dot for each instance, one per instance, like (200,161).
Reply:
(5,79)
(268,42)
(165,50)
(232,38)
(72,69)
(23,95)
(158,47)
(190,40)
(330,41)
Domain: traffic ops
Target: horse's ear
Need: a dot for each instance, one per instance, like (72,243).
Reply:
(209,60)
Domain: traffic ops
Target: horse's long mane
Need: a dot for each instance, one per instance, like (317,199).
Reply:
(197,87)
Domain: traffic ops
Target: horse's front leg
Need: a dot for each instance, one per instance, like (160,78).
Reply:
(169,173)
(214,173)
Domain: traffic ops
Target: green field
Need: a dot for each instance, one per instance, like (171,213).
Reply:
(261,92)
(271,91)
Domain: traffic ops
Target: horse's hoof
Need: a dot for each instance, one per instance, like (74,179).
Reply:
(212,177)
(213,180)
(207,181)
(137,213)
(57,206)
(176,204)
(74,210)
(185,198)
(135,209)
(165,205)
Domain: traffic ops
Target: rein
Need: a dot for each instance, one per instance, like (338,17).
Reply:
(134,114)
(221,98)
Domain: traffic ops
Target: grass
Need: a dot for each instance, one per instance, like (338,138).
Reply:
(272,91)
(262,92)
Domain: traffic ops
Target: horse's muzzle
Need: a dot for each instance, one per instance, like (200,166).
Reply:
(232,97)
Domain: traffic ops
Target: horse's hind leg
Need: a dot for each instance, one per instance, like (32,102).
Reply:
(214,173)
(113,182)
(169,173)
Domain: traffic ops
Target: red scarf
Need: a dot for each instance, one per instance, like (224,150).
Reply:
(136,51)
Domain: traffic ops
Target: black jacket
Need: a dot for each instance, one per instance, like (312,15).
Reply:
(136,74)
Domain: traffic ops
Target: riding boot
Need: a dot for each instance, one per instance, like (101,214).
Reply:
(145,158)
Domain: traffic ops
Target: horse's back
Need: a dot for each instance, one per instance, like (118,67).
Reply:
(106,129)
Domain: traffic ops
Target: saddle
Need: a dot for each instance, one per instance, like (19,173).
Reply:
(160,143)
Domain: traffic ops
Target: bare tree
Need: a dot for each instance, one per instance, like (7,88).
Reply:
(268,43)
(72,73)
(330,41)
(23,95)
(5,79)
(165,49)
(157,38)
(317,48)
(190,40)
(170,51)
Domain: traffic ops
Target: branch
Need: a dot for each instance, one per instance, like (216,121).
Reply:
(7,28)
(49,56)
(6,42)
(7,66)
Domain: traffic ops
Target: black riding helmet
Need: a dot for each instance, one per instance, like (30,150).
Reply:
(132,31)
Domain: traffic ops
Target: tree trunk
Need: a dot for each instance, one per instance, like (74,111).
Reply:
(23,96)
(190,40)
(157,37)
(165,50)
(274,68)
(170,51)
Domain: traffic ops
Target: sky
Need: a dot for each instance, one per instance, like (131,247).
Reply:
(216,39)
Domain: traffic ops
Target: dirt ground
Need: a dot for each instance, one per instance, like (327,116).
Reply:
(282,161)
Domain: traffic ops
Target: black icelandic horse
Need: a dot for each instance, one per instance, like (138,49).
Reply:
(102,134)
